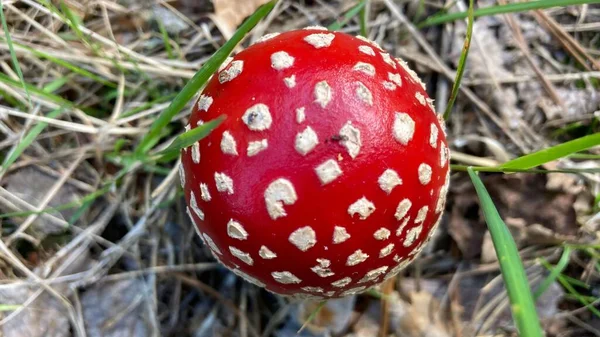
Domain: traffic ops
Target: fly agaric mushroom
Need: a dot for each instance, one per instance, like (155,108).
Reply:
(329,174)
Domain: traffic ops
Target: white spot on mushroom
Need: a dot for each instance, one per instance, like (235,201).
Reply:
(285,277)
(181,175)
(195,208)
(351,139)
(290,82)
(258,117)
(256,147)
(300,115)
(328,171)
(441,199)
(387,250)
(424,174)
(235,230)
(323,93)
(395,78)
(402,226)
(228,144)
(373,274)
(388,180)
(364,94)
(366,50)
(312,289)
(421,214)
(412,235)
(433,136)
(248,277)
(388,59)
(412,74)
(320,40)
(233,71)
(279,192)
(281,60)
(266,37)
(419,96)
(315,28)
(365,68)
(340,234)
(371,42)
(266,253)
(430,104)
(204,193)
(363,207)
(389,86)
(306,141)
(204,102)
(402,209)
(211,244)
(224,183)
(353,291)
(304,238)
(356,258)
(443,155)
(342,282)
(322,269)
(245,257)
(196,152)
(382,234)
(404,128)
(225,63)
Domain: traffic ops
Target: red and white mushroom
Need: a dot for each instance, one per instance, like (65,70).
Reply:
(329,174)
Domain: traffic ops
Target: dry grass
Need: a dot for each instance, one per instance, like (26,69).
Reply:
(532,80)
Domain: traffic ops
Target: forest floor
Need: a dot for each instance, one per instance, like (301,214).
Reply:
(89,250)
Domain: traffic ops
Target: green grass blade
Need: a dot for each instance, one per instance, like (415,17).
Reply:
(364,29)
(27,140)
(462,62)
(583,299)
(165,37)
(503,9)
(13,55)
(51,97)
(560,266)
(9,307)
(554,152)
(511,266)
(200,78)
(352,12)
(188,138)
(464,168)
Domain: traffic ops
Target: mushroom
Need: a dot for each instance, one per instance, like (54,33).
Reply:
(329,174)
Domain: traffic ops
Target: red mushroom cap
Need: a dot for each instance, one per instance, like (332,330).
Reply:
(329,174)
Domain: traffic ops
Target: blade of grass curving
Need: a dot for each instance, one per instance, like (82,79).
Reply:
(312,316)
(364,28)
(560,266)
(32,89)
(563,281)
(64,64)
(522,305)
(351,13)
(13,55)
(188,138)
(201,77)
(462,62)
(9,307)
(165,37)
(464,168)
(503,9)
(554,152)
(27,140)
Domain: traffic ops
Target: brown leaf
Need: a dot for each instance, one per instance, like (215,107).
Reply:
(230,13)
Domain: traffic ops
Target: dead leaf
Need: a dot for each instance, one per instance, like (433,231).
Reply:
(44,317)
(333,317)
(116,309)
(230,13)
(33,185)
(421,317)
